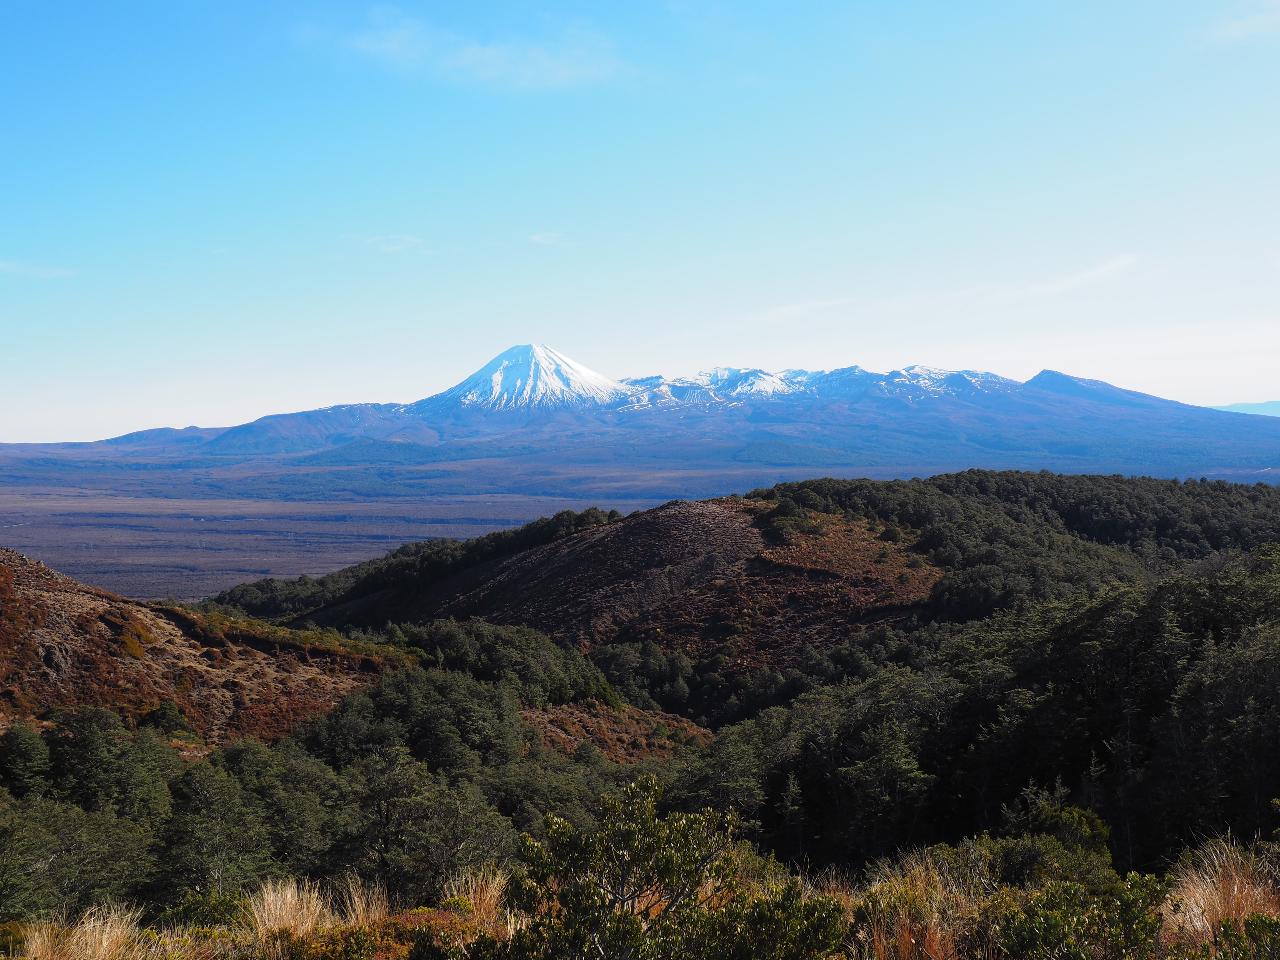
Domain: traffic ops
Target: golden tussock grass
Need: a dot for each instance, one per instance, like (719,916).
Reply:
(285,910)
(101,933)
(1221,883)
(484,890)
(916,907)
(363,903)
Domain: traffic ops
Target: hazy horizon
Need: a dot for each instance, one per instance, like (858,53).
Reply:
(219,212)
(463,374)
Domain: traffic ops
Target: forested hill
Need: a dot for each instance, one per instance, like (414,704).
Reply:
(956,546)
(1033,681)
(1008,536)
(1154,705)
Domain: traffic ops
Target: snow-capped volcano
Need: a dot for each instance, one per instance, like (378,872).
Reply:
(537,411)
(532,376)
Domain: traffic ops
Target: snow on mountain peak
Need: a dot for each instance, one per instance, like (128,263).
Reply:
(534,376)
(537,377)
(738,382)
(937,381)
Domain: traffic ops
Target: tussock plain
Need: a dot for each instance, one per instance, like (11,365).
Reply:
(149,547)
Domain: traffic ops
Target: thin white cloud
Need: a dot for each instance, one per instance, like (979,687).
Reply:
(35,271)
(783,313)
(1261,20)
(395,41)
(576,58)
(406,43)
(394,242)
(1070,283)
(1038,291)
(947,302)
(549,239)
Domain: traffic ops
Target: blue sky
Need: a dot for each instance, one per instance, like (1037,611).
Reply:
(214,211)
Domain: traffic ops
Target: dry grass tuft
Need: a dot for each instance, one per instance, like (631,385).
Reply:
(363,904)
(44,941)
(102,933)
(286,910)
(917,907)
(484,890)
(1222,883)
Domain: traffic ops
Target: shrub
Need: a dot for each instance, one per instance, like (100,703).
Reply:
(347,943)
(643,885)
(214,908)
(1065,921)
(1256,938)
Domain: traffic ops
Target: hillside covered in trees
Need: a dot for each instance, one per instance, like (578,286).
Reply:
(981,715)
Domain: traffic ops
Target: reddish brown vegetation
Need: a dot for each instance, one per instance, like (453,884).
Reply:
(823,584)
(63,644)
(696,576)
(623,734)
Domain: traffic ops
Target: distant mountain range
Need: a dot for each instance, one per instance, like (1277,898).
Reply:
(1270,408)
(533,420)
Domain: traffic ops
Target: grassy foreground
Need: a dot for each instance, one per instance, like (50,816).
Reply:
(681,886)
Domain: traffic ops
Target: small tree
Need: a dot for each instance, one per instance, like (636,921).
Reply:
(647,887)
(24,760)
(214,841)
(416,829)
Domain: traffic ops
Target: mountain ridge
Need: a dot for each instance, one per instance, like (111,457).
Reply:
(1267,408)
(536,377)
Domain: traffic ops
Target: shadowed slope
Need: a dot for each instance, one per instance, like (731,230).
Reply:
(690,575)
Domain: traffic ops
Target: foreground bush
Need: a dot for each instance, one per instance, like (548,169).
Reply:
(642,885)
(646,886)
(1064,921)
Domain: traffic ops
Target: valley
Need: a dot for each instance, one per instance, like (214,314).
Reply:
(190,547)
(854,668)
